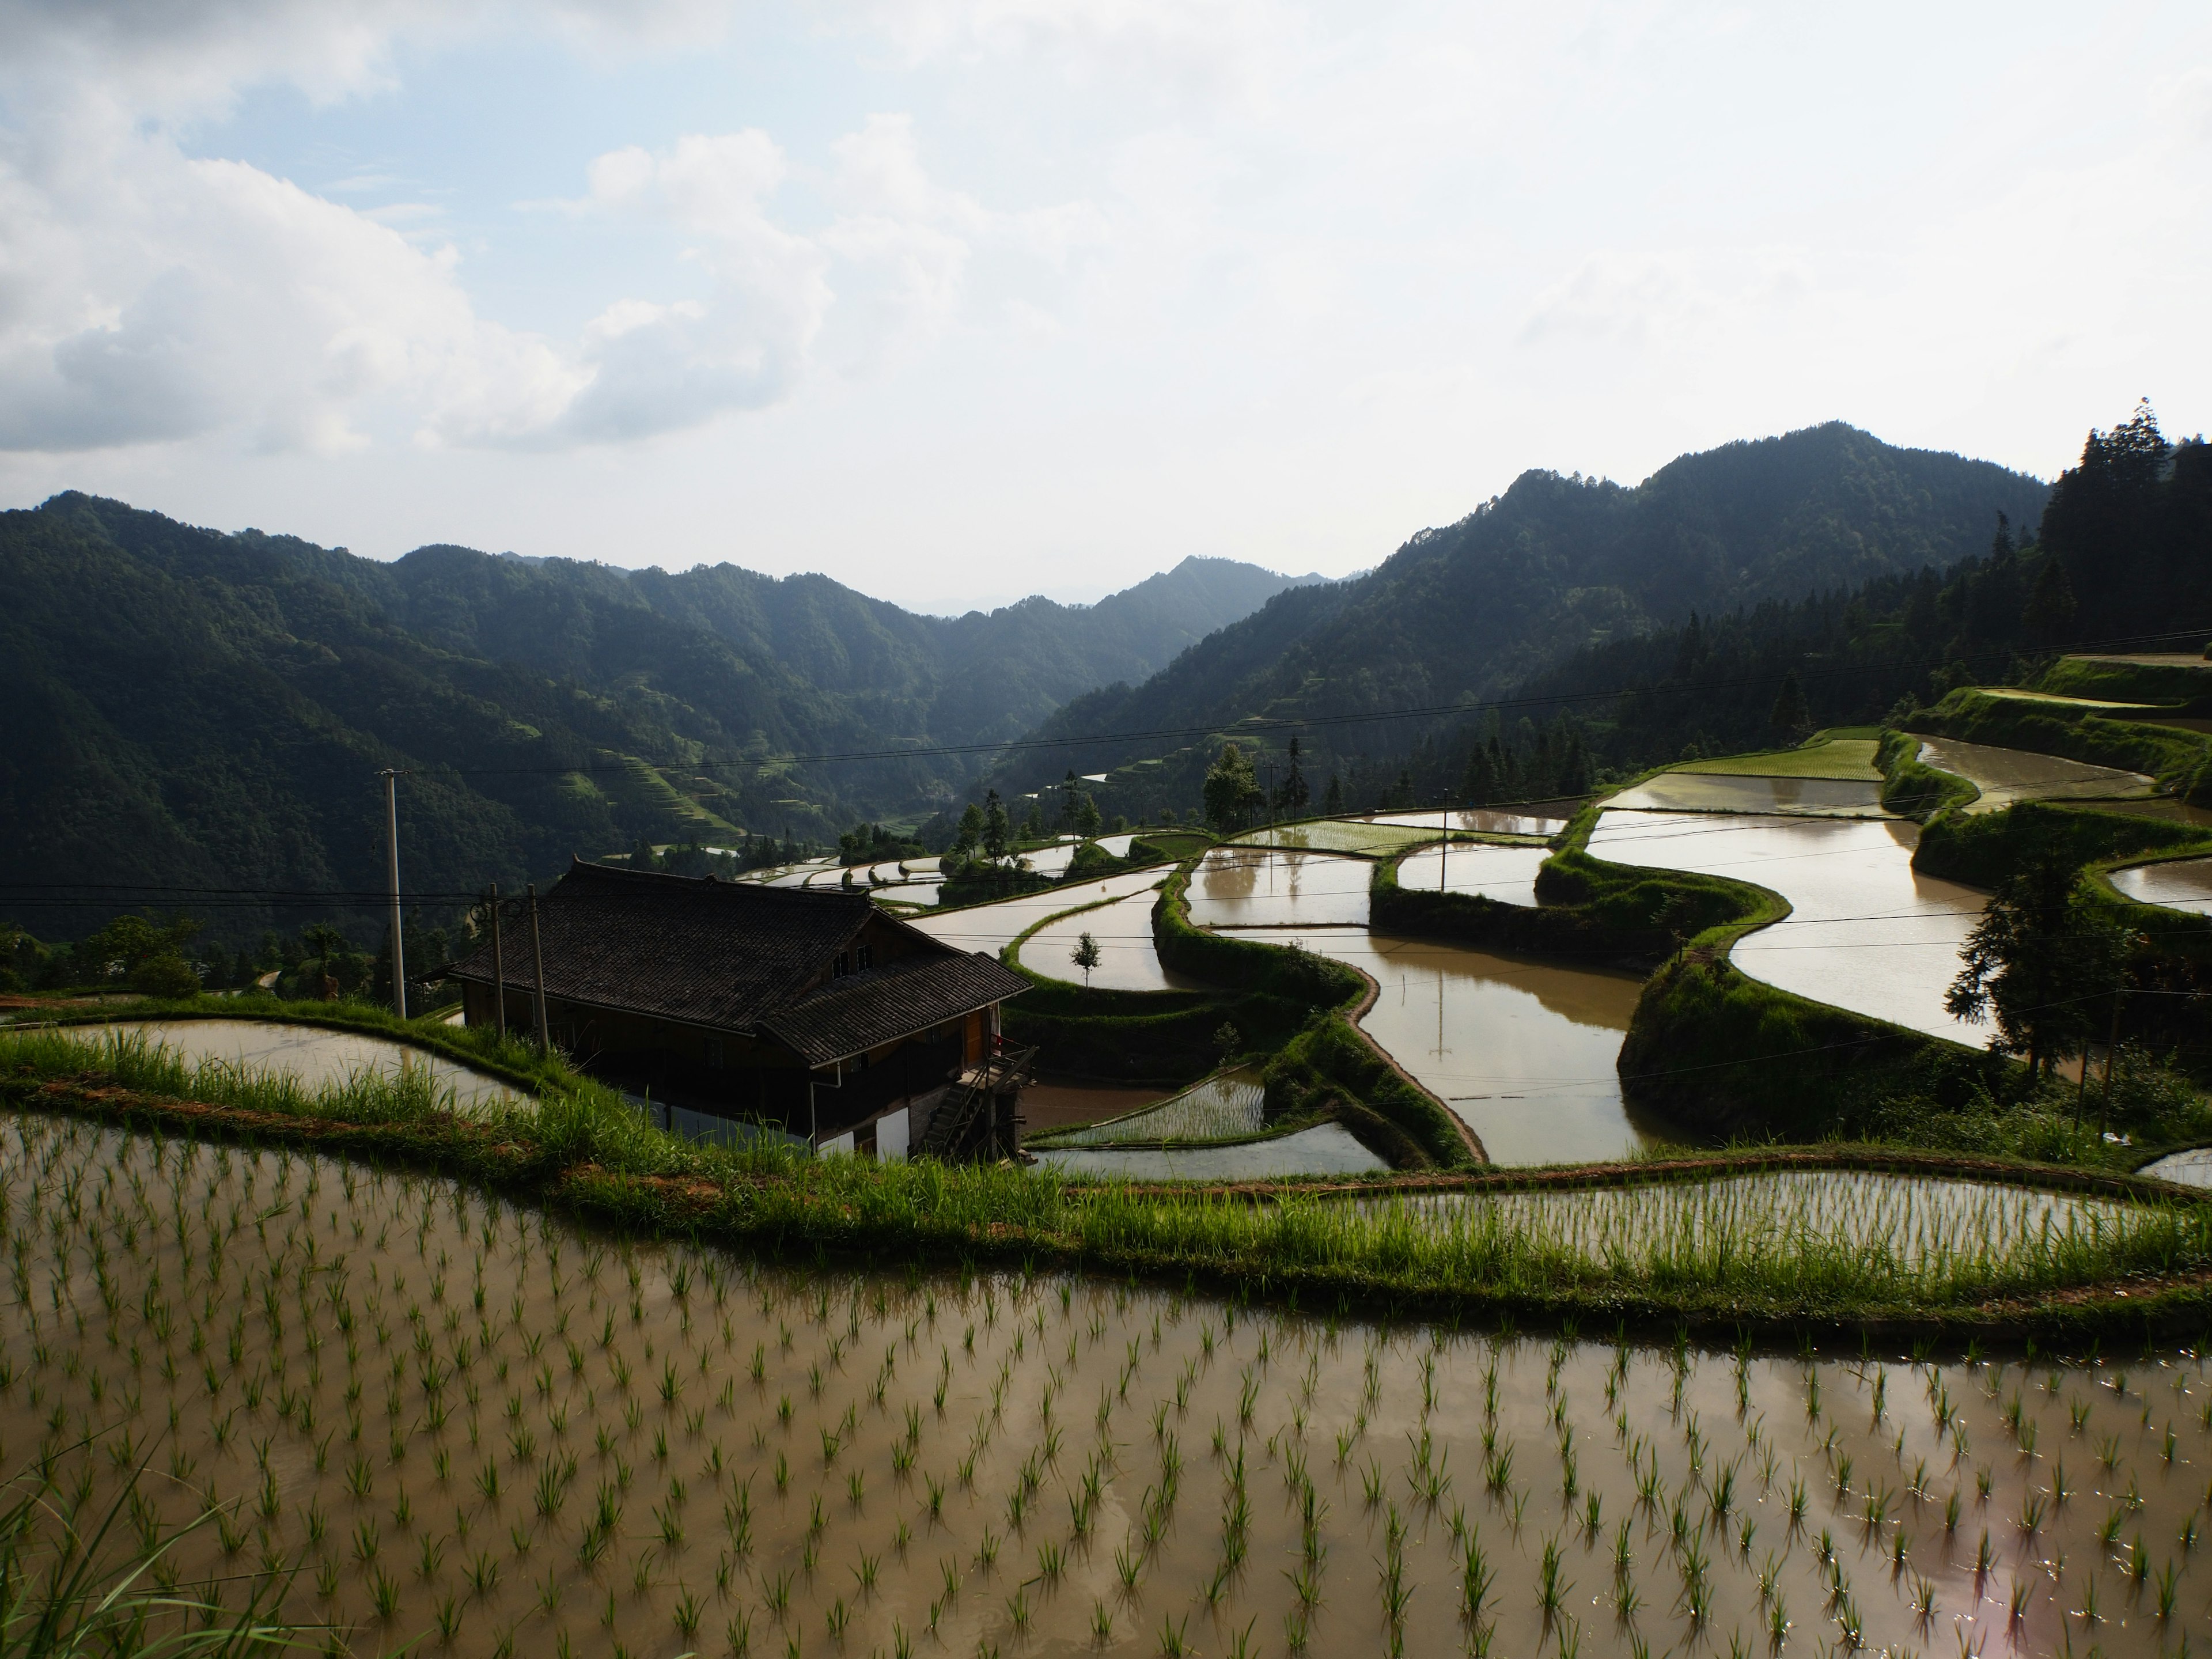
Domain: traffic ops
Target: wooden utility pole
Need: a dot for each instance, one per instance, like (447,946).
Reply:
(538,969)
(398,955)
(2111,1051)
(498,971)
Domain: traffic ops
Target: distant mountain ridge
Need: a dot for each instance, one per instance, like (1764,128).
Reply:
(1555,564)
(190,707)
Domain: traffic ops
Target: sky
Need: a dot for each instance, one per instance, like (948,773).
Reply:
(962,299)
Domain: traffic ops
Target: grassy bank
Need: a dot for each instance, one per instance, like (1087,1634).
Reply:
(2170,960)
(514,1058)
(1706,1256)
(1912,787)
(1586,910)
(2181,761)
(1330,1070)
(1718,1051)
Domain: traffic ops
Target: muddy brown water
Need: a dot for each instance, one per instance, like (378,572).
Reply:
(565,1443)
(1277,887)
(1866,931)
(1524,1050)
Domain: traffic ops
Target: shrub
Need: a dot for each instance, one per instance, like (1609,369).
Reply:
(167,975)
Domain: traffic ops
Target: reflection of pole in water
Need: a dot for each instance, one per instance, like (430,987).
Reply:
(1440,1011)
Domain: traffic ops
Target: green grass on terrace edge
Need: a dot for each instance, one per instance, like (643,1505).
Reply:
(583,1153)
(1810,759)
(516,1061)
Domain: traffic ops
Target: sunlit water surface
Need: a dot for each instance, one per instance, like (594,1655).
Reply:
(1865,932)
(1524,1051)
(311,1054)
(2178,884)
(1267,887)
(1128,959)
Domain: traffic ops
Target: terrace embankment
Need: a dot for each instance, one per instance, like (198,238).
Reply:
(587,1153)
(413,1413)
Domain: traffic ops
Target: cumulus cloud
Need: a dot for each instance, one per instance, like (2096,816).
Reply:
(149,295)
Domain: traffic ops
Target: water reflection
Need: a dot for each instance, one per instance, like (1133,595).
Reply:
(1866,932)
(2178,884)
(1524,1051)
(1507,874)
(1325,1149)
(1478,820)
(314,1056)
(992,927)
(2191,1169)
(2006,775)
(1255,886)
(1714,792)
(1128,959)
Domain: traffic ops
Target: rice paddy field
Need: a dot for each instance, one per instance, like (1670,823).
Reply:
(422,1415)
(1128,959)
(992,927)
(1873,1226)
(2176,884)
(313,1055)
(1324,1149)
(1505,874)
(1866,931)
(1346,836)
(1838,757)
(1479,820)
(1220,1107)
(2006,776)
(1279,887)
(1707,791)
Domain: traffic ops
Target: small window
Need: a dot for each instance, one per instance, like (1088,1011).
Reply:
(840,968)
(868,955)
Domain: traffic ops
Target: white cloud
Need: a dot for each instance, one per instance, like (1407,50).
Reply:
(147,295)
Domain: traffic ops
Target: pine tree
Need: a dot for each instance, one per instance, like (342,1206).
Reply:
(1291,800)
(1791,719)
(2051,604)
(1480,787)
(1232,790)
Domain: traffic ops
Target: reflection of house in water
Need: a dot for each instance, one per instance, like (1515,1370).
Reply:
(803,1011)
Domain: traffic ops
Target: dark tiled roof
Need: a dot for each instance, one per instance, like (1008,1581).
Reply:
(883,1004)
(706,952)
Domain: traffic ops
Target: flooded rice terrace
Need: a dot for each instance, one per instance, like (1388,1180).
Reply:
(1277,887)
(1524,1051)
(313,1055)
(1865,932)
(475,1428)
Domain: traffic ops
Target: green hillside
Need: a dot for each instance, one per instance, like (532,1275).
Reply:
(190,708)
(1555,565)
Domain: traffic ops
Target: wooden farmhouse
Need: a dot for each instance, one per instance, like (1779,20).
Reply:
(806,1012)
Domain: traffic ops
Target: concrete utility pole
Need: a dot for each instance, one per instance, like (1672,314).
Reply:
(537,967)
(392,829)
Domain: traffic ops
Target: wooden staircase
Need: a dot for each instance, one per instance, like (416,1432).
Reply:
(968,1127)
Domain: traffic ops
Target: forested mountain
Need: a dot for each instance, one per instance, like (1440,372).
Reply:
(1555,565)
(977,677)
(191,708)
(2123,554)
